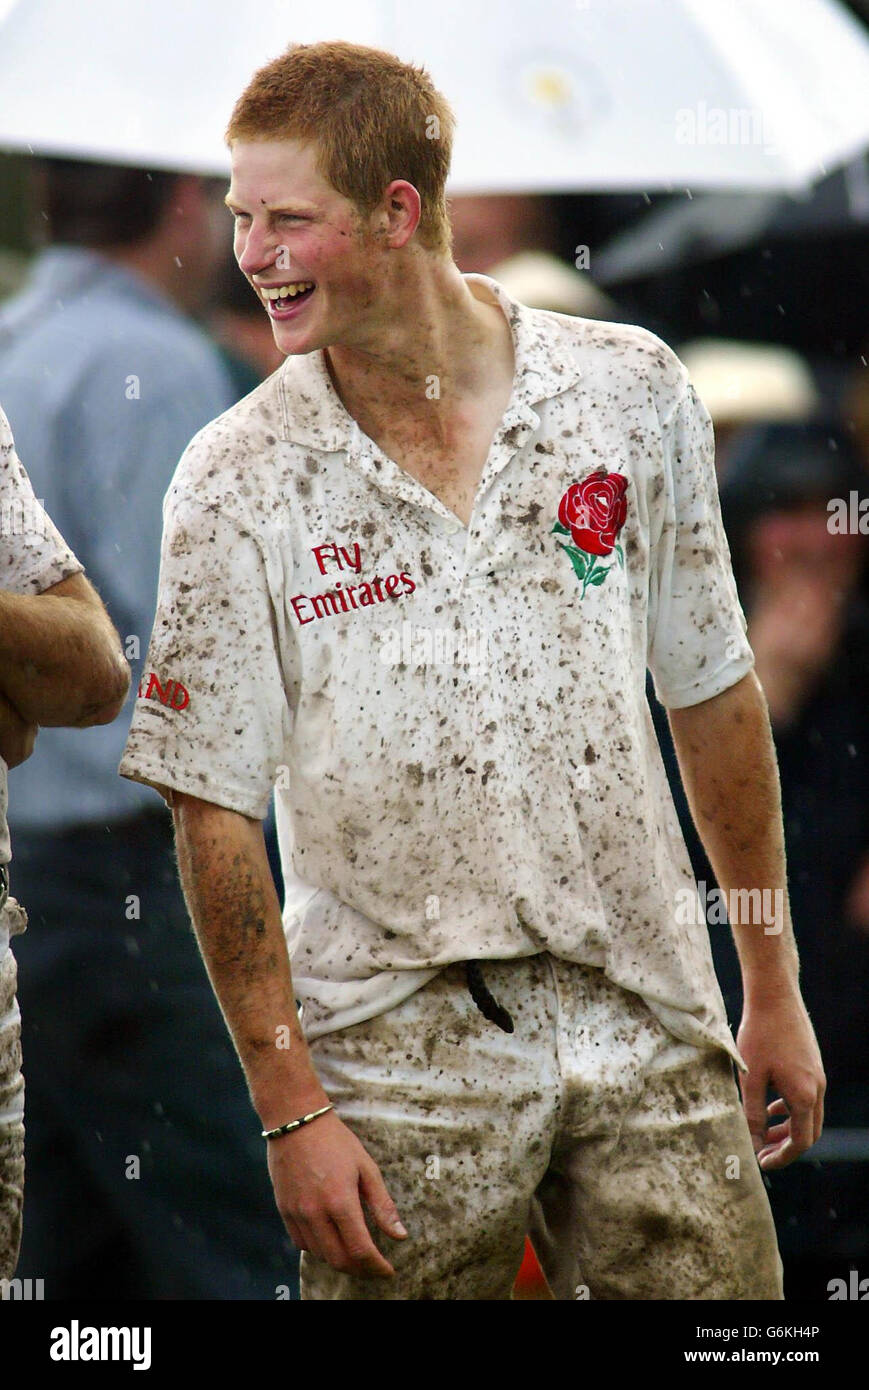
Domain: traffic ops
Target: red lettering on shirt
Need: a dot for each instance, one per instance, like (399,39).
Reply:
(173,693)
(333,602)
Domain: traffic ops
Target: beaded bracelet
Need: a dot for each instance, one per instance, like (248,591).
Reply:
(295,1124)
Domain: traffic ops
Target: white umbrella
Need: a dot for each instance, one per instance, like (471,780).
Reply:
(554,95)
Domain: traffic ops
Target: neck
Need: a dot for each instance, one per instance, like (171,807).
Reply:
(429,325)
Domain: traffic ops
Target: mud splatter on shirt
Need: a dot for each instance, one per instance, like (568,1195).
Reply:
(436,803)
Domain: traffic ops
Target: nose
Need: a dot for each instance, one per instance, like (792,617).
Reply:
(255,248)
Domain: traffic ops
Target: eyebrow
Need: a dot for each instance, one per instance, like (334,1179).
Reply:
(302,210)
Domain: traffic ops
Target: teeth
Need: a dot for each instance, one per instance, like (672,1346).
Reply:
(273,292)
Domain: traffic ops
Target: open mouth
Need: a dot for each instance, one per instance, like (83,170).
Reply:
(283,301)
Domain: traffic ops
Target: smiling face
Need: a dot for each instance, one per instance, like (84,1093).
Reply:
(304,248)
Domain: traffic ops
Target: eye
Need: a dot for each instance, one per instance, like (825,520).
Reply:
(241,218)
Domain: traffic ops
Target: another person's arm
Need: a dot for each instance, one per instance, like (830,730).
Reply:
(60,658)
(320,1173)
(727,758)
(17,736)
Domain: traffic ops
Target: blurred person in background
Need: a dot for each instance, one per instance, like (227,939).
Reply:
(513,237)
(854,407)
(743,384)
(789,502)
(801,582)
(489,228)
(143,1179)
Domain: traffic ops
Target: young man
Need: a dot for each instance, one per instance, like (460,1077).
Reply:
(413,582)
(60,664)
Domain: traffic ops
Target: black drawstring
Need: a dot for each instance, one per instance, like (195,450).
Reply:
(488,1006)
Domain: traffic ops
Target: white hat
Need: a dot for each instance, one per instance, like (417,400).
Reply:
(542,281)
(742,382)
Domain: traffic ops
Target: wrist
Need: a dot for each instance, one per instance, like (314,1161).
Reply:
(280,1106)
(761,988)
(290,1127)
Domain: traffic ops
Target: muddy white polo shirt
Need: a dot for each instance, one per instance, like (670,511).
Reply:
(454,720)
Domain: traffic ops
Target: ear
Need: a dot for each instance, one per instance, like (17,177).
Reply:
(399,213)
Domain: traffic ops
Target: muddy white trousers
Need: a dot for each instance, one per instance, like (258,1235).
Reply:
(622,1151)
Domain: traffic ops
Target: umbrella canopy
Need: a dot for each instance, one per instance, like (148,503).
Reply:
(553,96)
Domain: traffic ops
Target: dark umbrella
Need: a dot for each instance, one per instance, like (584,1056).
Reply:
(777,269)
(696,230)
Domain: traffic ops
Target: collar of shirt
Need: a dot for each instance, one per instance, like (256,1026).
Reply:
(313,415)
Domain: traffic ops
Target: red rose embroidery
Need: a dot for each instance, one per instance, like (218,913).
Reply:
(593,513)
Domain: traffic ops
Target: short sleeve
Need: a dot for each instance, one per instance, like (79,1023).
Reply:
(33,554)
(697,642)
(211,718)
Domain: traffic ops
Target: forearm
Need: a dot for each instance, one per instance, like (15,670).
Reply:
(232,901)
(60,658)
(730,773)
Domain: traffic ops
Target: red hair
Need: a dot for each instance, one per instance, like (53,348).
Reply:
(371,117)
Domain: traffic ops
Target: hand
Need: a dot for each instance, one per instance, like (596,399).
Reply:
(320,1175)
(17,737)
(778,1043)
